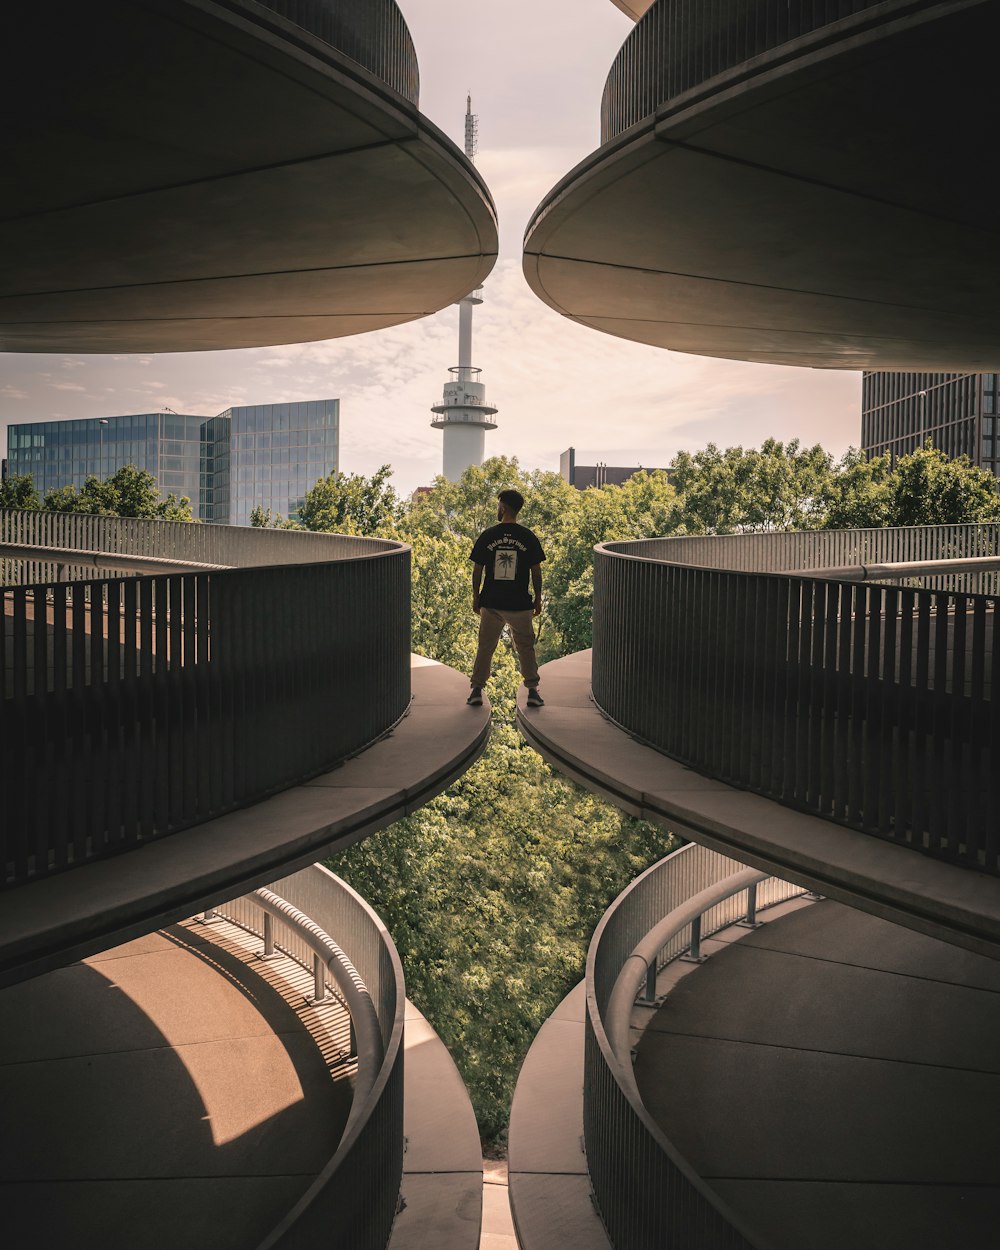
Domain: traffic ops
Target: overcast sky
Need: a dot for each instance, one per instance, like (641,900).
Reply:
(536,69)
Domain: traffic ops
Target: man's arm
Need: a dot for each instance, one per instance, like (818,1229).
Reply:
(477,585)
(536,583)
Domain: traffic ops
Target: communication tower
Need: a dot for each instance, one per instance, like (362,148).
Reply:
(463,413)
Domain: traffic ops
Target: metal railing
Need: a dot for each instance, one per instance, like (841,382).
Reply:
(131,707)
(678,45)
(352,1203)
(371,32)
(868,705)
(647,1194)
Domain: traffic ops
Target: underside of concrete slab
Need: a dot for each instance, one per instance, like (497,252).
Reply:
(801,209)
(184,175)
(75,913)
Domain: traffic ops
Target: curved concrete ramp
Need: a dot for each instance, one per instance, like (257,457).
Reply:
(164,1094)
(835,1078)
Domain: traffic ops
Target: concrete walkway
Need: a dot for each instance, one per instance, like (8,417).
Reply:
(836,1079)
(885,878)
(72,914)
(167,1093)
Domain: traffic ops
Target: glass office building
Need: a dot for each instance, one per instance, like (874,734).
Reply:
(276,453)
(262,454)
(66,453)
(958,412)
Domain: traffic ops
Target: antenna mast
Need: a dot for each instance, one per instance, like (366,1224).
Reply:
(463,413)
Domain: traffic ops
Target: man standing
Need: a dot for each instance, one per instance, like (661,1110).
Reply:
(508,555)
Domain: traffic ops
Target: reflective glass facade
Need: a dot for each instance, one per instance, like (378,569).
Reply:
(66,453)
(277,452)
(956,411)
(263,454)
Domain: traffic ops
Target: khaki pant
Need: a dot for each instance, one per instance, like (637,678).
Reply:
(491,623)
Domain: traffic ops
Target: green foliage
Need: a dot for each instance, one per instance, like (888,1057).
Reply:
(351,504)
(18,491)
(777,487)
(492,890)
(491,893)
(129,492)
(930,489)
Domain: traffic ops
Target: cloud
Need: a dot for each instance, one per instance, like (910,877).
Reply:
(13,392)
(66,386)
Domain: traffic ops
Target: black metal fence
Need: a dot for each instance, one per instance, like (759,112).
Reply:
(131,707)
(371,32)
(869,705)
(680,44)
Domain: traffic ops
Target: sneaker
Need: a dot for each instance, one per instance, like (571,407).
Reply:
(534,697)
(475,698)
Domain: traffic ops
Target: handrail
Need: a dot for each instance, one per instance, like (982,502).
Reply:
(899,570)
(753,659)
(646,1192)
(680,48)
(641,964)
(359,1003)
(351,1204)
(238,663)
(61,556)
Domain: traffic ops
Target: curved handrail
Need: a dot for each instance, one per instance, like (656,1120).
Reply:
(617,1018)
(352,1202)
(239,663)
(764,661)
(656,1198)
(359,1003)
(679,46)
(372,33)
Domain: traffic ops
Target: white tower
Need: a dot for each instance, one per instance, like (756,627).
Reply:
(463,412)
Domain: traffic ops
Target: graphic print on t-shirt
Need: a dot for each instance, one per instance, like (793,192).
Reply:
(505,569)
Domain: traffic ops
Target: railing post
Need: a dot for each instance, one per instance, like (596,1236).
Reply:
(750,921)
(210,916)
(694,955)
(319,981)
(268,952)
(648,996)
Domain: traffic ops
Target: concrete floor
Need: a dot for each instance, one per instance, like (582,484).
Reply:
(837,1080)
(164,1094)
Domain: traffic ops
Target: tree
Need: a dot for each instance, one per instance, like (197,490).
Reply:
(129,492)
(858,495)
(351,504)
(930,489)
(18,491)
(778,487)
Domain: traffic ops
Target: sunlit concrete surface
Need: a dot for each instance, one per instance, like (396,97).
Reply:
(184,175)
(171,1092)
(442,1187)
(835,1079)
(72,914)
(805,208)
(549,1183)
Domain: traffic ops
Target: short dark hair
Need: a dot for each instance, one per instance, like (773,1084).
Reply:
(512,499)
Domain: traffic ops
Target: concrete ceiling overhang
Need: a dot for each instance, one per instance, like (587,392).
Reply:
(633,8)
(185,175)
(834,209)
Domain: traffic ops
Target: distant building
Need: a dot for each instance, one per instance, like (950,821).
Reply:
(956,411)
(265,454)
(583,475)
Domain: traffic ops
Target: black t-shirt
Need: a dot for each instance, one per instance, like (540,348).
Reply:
(507,552)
